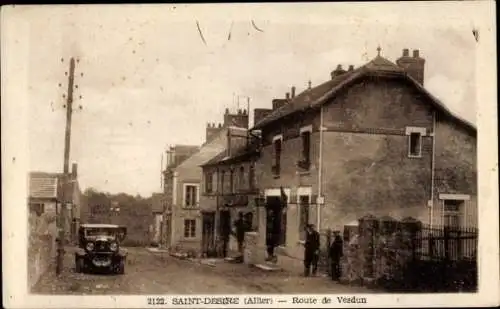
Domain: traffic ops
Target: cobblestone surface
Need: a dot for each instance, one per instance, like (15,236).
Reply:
(159,273)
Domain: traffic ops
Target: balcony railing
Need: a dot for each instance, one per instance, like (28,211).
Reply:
(235,199)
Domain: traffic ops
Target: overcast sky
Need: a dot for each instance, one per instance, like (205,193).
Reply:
(149,80)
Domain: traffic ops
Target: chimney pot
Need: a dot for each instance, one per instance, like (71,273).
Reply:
(339,67)
(293,92)
(244,111)
(227,111)
(351,67)
(74,169)
(220,125)
(406,52)
(239,111)
(416,53)
(288,95)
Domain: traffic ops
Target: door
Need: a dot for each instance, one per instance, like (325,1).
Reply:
(225,230)
(273,220)
(207,238)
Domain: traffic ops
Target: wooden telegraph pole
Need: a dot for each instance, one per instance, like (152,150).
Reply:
(66,198)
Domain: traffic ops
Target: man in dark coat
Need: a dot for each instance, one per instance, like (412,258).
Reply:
(336,252)
(241,228)
(311,252)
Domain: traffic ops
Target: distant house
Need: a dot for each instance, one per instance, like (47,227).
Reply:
(157,207)
(370,140)
(183,181)
(46,195)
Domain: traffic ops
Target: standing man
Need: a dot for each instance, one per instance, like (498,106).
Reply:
(241,228)
(336,252)
(311,252)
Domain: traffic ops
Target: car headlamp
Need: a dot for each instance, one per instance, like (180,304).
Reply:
(113,246)
(89,246)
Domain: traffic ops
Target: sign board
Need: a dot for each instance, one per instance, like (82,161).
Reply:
(320,200)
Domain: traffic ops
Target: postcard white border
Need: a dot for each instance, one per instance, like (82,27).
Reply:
(15,157)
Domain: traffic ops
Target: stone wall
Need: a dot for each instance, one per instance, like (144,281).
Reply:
(41,245)
(380,252)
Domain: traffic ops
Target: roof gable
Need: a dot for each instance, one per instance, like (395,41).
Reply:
(321,94)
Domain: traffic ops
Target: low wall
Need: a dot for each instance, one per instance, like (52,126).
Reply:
(41,246)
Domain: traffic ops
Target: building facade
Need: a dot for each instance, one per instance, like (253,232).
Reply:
(369,140)
(229,188)
(183,183)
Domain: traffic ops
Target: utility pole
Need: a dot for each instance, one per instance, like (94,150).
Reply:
(66,181)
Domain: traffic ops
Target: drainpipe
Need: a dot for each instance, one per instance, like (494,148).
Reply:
(320,167)
(433,163)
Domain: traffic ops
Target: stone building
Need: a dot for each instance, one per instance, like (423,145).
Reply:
(229,188)
(183,181)
(370,140)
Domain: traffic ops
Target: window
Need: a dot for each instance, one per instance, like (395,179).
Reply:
(241,178)
(189,228)
(251,176)
(276,168)
(231,181)
(415,141)
(190,195)
(209,178)
(452,213)
(305,135)
(222,174)
(37,208)
(415,144)
(303,214)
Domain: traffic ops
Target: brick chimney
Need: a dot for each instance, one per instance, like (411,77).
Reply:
(338,71)
(413,66)
(211,130)
(74,170)
(259,114)
(292,93)
(238,119)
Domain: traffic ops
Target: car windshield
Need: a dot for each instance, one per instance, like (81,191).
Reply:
(100,232)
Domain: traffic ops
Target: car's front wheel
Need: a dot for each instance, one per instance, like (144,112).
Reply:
(120,268)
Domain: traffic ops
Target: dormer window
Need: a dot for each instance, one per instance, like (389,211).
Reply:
(415,135)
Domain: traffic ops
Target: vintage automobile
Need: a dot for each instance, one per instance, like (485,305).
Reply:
(99,248)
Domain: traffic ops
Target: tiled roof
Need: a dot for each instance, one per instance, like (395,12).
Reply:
(43,185)
(239,155)
(320,94)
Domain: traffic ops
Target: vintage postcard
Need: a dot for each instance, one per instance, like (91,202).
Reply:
(250,155)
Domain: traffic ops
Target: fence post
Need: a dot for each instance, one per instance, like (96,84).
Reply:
(446,236)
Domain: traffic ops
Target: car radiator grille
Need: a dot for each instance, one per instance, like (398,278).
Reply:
(101,246)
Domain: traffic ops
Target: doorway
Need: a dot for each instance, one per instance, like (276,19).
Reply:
(225,231)
(208,234)
(274,221)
